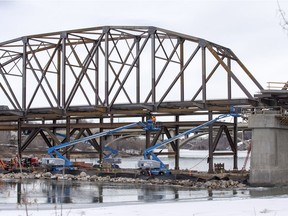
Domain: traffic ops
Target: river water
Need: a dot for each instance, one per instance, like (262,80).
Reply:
(76,192)
(191,160)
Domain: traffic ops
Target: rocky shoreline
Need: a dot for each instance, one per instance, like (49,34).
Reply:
(192,182)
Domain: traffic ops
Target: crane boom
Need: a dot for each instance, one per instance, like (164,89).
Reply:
(149,151)
(53,150)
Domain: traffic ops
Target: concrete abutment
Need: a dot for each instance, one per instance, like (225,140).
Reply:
(269,155)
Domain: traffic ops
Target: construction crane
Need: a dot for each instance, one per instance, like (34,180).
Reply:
(155,166)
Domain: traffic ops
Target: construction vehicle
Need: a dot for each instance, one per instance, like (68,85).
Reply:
(110,158)
(155,166)
(13,164)
(53,164)
(107,159)
(56,165)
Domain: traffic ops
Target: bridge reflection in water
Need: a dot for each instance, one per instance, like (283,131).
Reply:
(60,192)
(53,192)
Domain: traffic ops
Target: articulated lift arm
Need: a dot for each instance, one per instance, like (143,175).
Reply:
(112,151)
(149,151)
(54,149)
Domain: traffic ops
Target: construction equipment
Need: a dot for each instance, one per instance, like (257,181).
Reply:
(106,159)
(53,151)
(3,164)
(155,166)
(53,164)
(110,157)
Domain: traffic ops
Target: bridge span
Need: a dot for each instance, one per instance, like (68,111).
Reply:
(99,77)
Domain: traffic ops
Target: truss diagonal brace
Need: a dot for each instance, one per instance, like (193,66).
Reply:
(130,69)
(86,63)
(228,70)
(179,75)
(10,89)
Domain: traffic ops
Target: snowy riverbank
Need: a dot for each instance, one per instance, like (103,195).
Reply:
(248,207)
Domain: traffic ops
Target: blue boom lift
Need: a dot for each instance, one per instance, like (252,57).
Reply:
(112,152)
(155,166)
(61,162)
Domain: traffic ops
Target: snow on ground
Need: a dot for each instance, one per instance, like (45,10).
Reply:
(247,207)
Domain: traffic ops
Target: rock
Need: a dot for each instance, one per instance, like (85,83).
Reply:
(62,177)
(241,185)
(47,175)
(29,176)
(83,174)
(84,178)
(224,184)
(37,176)
(93,178)
(70,177)
(18,176)
(53,177)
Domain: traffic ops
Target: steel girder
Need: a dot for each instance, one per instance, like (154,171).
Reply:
(115,69)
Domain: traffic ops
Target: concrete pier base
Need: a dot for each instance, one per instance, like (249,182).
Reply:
(269,155)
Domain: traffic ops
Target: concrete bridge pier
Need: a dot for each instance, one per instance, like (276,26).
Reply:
(269,155)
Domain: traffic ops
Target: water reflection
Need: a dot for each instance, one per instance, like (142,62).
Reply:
(150,194)
(53,192)
(58,193)
(269,191)
(72,192)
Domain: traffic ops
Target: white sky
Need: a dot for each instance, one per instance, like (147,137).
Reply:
(251,28)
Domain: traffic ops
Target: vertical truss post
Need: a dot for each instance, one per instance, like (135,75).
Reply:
(177,167)
(153,67)
(19,138)
(229,79)
(137,39)
(204,74)
(67,135)
(54,132)
(63,68)
(210,142)
(181,68)
(97,77)
(24,73)
(101,142)
(58,93)
(148,133)
(148,136)
(235,156)
(106,31)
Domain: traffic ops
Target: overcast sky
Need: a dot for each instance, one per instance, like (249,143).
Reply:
(250,28)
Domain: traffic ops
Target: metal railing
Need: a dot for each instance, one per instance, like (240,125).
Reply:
(277,85)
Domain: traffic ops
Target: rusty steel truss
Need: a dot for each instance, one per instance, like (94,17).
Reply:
(115,71)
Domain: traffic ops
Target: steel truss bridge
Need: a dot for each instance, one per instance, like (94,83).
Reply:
(89,78)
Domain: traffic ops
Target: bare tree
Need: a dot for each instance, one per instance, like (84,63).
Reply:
(283,21)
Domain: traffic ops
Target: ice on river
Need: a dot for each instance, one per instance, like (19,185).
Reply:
(248,207)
